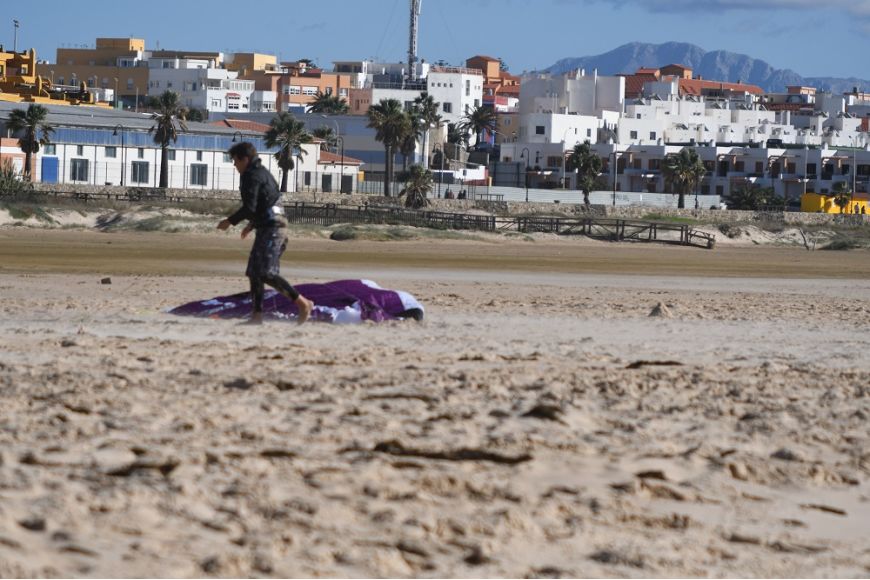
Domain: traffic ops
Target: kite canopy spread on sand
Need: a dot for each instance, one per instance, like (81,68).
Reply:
(341,302)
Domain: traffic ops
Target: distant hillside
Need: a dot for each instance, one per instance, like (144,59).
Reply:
(717,65)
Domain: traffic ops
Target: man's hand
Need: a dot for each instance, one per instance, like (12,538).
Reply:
(248,229)
(224,224)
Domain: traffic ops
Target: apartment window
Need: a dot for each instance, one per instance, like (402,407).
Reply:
(306,178)
(328,90)
(50,149)
(170,154)
(759,167)
(233,105)
(507,122)
(140,153)
(476,103)
(168,84)
(199,173)
(295,90)
(342,92)
(309,91)
(139,173)
(215,103)
(652,135)
(111,152)
(447,107)
(129,84)
(633,135)
(92,82)
(554,161)
(409,105)
(654,164)
(588,132)
(467,88)
(540,130)
(60,80)
(199,155)
(80,149)
(78,169)
(105,83)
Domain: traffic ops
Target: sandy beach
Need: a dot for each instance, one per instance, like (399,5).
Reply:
(538,423)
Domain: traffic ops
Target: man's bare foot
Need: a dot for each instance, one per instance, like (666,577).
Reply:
(255,320)
(305,306)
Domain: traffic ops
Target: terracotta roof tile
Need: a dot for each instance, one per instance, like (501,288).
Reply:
(329,158)
(242,125)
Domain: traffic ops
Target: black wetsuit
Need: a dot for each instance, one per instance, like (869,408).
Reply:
(260,194)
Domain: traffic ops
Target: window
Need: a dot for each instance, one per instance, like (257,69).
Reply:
(467,88)
(447,107)
(632,135)
(233,105)
(50,149)
(111,152)
(199,155)
(140,153)
(476,103)
(80,149)
(129,84)
(342,92)
(78,169)
(654,164)
(311,91)
(139,173)
(295,90)
(170,154)
(104,83)
(199,173)
(306,178)
(409,105)
(60,80)
(588,132)
(540,130)
(553,161)
(652,135)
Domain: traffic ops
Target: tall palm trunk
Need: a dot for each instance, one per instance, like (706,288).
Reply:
(28,159)
(425,160)
(164,170)
(388,170)
(284,173)
(681,200)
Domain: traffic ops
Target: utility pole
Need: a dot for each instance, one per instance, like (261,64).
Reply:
(412,37)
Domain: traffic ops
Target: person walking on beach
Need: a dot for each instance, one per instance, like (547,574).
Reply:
(260,196)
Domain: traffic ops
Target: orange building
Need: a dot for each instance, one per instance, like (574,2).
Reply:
(297,85)
(688,84)
(499,86)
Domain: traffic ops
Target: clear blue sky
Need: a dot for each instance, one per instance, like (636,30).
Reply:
(811,37)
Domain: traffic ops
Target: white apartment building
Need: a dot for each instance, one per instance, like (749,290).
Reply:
(200,84)
(459,90)
(364,73)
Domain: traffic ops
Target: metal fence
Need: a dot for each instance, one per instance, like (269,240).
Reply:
(605,228)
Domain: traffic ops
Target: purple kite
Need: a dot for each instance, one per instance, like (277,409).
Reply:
(340,302)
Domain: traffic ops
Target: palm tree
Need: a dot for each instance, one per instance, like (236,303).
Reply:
(328,104)
(391,124)
(288,135)
(36,132)
(477,120)
(414,131)
(750,196)
(841,194)
(168,119)
(683,172)
(330,140)
(427,110)
(418,183)
(587,165)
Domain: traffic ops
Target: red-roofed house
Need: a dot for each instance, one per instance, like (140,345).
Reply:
(634,84)
(242,125)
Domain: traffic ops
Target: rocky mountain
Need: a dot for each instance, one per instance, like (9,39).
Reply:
(714,65)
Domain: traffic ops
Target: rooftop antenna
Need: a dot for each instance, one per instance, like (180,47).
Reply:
(412,40)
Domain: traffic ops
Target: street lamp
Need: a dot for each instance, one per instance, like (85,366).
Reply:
(337,131)
(564,143)
(123,131)
(239,135)
(441,171)
(525,155)
(340,141)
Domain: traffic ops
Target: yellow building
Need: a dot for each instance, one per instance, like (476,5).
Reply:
(20,83)
(820,203)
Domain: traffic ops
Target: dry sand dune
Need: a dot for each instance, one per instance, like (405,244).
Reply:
(538,423)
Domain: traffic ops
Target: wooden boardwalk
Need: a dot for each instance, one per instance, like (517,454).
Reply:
(614,229)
